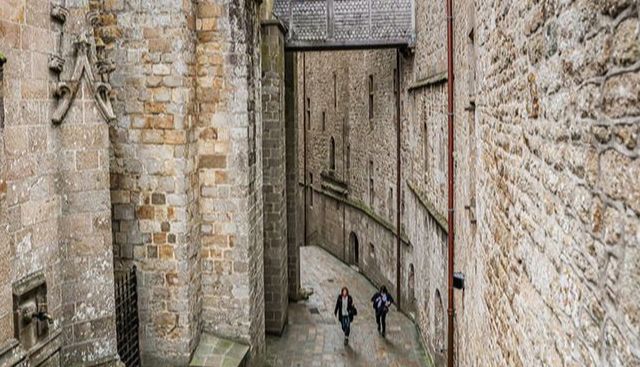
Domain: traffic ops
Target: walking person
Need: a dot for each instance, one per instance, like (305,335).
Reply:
(382,300)
(345,311)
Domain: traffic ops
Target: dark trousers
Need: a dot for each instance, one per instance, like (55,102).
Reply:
(345,321)
(381,320)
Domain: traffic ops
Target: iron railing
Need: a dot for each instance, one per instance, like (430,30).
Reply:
(127,321)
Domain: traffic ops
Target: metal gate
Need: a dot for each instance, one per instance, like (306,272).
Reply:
(127,325)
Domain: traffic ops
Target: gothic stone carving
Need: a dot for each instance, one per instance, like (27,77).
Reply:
(59,13)
(56,63)
(90,64)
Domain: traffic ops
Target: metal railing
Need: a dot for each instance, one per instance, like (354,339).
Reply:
(127,321)
(318,24)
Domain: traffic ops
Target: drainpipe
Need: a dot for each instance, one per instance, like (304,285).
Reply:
(450,199)
(304,137)
(398,183)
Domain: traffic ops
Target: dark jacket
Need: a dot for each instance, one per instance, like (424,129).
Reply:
(350,308)
(382,308)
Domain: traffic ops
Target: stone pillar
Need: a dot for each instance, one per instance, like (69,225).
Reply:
(274,188)
(229,169)
(153,179)
(82,181)
(291,142)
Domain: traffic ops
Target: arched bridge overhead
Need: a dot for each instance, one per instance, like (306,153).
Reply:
(346,24)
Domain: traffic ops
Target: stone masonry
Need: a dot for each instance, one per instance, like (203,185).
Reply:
(156,163)
(55,205)
(546,142)
(182,138)
(274,189)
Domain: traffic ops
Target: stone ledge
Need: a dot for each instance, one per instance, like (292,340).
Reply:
(217,352)
(12,354)
(431,209)
(365,210)
(435,79)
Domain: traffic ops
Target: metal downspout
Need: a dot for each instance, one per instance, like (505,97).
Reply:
(398,184)
(450,198)
(304,135)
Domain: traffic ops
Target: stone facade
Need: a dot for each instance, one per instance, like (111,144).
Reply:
(55,205)
(546,142)
(157,163)
(274,190)
(180,137)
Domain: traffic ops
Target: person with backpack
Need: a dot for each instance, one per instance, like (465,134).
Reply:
(382,300)
(345,311)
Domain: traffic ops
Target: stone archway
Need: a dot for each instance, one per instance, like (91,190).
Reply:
(354,249)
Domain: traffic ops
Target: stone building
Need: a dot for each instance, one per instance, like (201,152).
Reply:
(546,135)
(185,141)
(131,135)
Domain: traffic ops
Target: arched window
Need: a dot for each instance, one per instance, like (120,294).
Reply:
(332,154)
(355,250)
(439,323)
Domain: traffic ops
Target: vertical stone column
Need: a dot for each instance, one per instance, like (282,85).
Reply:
(81,144)
(153,182)
(274,188)
(291,148)
(229,168)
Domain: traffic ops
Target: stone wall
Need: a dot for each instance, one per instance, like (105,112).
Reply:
(346,150)
(546,143)
(557,130)
(173,184)
(274,189)
(55,181)
(230,171)
(186,183)
(153,173)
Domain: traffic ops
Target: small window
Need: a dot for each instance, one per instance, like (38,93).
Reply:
(425,147)
(411,284)
(370,97)
(348,157)
(308,113)
(311,189)
(2,61)
(371,191)
(390,202)
(372,251)
(443,150)
(335,90)
(395,82)
(332,154)
(324,120)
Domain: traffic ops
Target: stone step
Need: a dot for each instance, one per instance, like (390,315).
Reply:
(213,351)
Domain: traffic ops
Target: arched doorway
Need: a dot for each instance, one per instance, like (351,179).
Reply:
(354,249)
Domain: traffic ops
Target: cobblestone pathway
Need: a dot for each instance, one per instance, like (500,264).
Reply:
(313,336)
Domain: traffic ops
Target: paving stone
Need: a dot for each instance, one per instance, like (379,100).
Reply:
(312,339)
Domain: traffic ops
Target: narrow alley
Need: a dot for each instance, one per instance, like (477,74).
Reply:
(313,336)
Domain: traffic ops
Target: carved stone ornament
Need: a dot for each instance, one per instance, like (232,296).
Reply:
(59,13)
(56,63)
(66,90)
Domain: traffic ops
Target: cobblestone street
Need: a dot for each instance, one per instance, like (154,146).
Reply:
(313,336)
